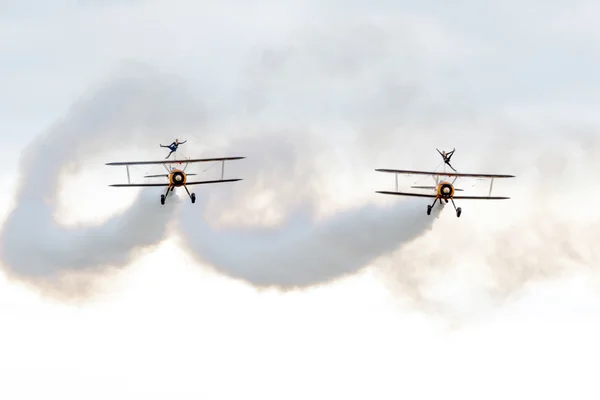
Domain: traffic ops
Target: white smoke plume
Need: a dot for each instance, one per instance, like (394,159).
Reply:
(312,116)
(361,95)
(137,108)
(303,251)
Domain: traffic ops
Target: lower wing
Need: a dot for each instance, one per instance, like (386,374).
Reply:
(217,181)
(481,197)
(432,196)
(168,184)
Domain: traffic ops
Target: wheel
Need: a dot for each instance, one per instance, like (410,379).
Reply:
(162,199)
(193,197)
(428,210)
(458,212)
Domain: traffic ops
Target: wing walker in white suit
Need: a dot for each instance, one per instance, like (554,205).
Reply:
(443,188)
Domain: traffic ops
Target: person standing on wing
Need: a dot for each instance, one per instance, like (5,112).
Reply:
(173,147)
(447,157)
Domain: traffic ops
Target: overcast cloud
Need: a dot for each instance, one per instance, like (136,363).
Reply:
(318,94)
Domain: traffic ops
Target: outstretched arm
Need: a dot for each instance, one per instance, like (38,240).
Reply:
(452,152)
(163,145)
(183,142)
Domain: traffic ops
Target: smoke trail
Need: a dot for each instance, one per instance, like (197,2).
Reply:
(390,115)
(303,252)
(137,108)
(308,100)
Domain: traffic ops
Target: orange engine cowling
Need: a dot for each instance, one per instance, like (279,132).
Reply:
(177,178)
(445,189)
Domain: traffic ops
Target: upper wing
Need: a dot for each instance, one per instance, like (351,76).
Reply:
(167,184)
(175,161)
(405,171)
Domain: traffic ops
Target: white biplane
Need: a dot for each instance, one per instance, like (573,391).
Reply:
(176,175)
(444,190)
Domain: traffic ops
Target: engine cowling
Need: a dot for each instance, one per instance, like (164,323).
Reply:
(178,178)
(446,190)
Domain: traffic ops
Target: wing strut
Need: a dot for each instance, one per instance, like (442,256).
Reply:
(396,182)
(222,169)
(128,177)
(491,184)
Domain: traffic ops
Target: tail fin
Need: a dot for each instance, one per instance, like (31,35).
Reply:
(424,187)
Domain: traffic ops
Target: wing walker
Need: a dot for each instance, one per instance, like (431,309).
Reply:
(444,190)
(176,175)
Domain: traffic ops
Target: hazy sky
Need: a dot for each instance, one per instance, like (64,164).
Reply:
(299,281)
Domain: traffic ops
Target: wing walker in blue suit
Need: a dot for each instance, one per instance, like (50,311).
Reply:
(173,147)
(176,177)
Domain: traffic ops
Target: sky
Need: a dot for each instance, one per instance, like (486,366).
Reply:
(298,281)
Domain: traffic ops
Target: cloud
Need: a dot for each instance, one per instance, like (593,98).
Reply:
(315,113)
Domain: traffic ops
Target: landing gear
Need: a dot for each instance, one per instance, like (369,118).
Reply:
(430,207)
(458,210)
(163,197)
(192,195)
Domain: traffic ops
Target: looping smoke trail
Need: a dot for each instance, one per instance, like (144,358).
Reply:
(34,245)
(301,252)
(134,108)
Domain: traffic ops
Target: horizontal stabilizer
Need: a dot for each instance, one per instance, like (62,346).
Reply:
(433,188)
(163,175)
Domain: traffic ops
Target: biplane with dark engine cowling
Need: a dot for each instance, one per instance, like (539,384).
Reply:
(444,190)
(176,175)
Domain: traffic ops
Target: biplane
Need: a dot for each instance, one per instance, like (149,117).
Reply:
(176,175)
(444,190)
